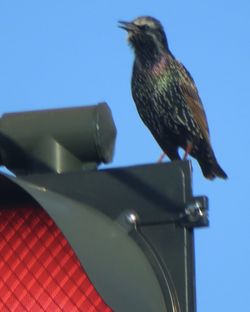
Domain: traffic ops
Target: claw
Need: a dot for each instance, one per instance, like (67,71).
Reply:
(188,150)
(161,158)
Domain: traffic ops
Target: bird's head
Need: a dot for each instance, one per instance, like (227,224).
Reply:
(145,34)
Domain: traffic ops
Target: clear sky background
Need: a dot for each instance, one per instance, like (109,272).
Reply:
(65,53)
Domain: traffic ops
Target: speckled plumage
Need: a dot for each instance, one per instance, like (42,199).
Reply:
(166,97)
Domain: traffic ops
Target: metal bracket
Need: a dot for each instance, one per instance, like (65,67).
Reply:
(196,213)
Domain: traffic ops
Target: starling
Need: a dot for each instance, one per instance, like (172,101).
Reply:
(166,97)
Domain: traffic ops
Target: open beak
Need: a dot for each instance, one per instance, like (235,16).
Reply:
(128,26)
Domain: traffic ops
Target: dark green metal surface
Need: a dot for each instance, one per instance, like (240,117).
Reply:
(141,264)
(58,140)
(131,228)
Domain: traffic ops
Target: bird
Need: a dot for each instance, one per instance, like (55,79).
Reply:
(167,98)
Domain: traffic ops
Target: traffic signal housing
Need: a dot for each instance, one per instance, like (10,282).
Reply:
(132,228)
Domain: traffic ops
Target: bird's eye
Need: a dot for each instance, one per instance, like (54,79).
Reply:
(145,27)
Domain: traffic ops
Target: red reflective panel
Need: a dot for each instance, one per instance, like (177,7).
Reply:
(38,269)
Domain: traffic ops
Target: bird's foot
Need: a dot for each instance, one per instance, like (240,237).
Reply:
(188,150)
(160,160)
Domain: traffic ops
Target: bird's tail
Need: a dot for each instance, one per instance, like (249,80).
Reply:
(211,168)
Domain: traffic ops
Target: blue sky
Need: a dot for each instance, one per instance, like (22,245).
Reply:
(65,53)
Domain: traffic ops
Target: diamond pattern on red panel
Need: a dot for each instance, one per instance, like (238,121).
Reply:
(38,269)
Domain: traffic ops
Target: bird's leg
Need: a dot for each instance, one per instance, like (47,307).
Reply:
(161,158)
(188,150)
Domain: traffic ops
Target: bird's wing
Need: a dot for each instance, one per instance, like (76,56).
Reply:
(193,101)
